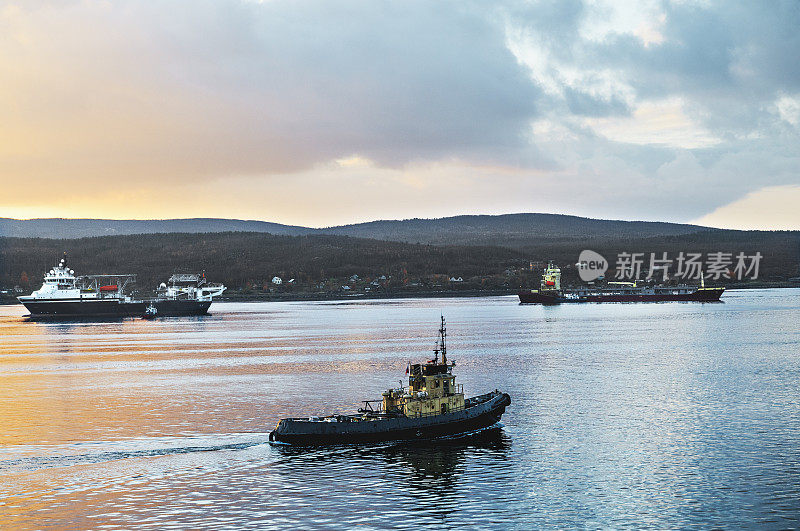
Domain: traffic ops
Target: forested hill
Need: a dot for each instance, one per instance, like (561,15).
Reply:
(248,261)
(510,230)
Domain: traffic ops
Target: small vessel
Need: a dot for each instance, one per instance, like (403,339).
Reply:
(431,406)
(550,292)
(66,296)
(151,312)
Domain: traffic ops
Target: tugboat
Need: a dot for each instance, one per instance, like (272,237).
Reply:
(550,292)
(432,406)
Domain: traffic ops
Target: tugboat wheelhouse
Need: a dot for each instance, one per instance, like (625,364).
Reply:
(432,387)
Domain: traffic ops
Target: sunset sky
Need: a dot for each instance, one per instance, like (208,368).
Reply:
(324,112)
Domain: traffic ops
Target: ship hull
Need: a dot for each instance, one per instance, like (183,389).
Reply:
(303,432)
(173,308)
(699,295)
(111,308)
(77,308)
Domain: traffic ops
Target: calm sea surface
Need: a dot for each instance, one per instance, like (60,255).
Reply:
(623,415)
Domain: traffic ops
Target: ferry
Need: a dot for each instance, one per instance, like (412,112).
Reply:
(550,292)
(64,295)
(431,406)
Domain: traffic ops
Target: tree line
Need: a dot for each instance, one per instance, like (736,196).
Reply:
(243,260)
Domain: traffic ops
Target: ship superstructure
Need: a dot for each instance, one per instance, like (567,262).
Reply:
(431,389)
(189,286)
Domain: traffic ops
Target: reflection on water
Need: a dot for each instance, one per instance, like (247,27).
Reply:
(425,477)
(622,415)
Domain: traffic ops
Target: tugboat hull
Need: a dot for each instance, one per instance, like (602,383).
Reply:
(481,412)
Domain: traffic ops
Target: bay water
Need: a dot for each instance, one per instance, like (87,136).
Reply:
(668,415)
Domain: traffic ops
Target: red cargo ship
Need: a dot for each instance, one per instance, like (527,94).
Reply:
(550,292)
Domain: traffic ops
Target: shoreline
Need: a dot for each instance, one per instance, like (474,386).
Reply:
(312,297)
(300,297)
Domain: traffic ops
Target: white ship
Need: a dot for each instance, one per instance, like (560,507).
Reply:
(185,294)
(64,295)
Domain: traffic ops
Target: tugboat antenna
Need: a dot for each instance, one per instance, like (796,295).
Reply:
(443,334)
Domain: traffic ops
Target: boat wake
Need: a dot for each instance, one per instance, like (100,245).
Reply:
(36,457)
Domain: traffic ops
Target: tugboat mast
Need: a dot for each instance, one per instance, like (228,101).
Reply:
(441,345)
(443,335)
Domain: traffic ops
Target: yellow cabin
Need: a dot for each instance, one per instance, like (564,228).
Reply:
(432,388)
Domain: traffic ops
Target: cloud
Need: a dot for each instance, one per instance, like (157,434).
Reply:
(771,208)
(585,104)
(707,82)
(662,122)
(197,89)
(662,110)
